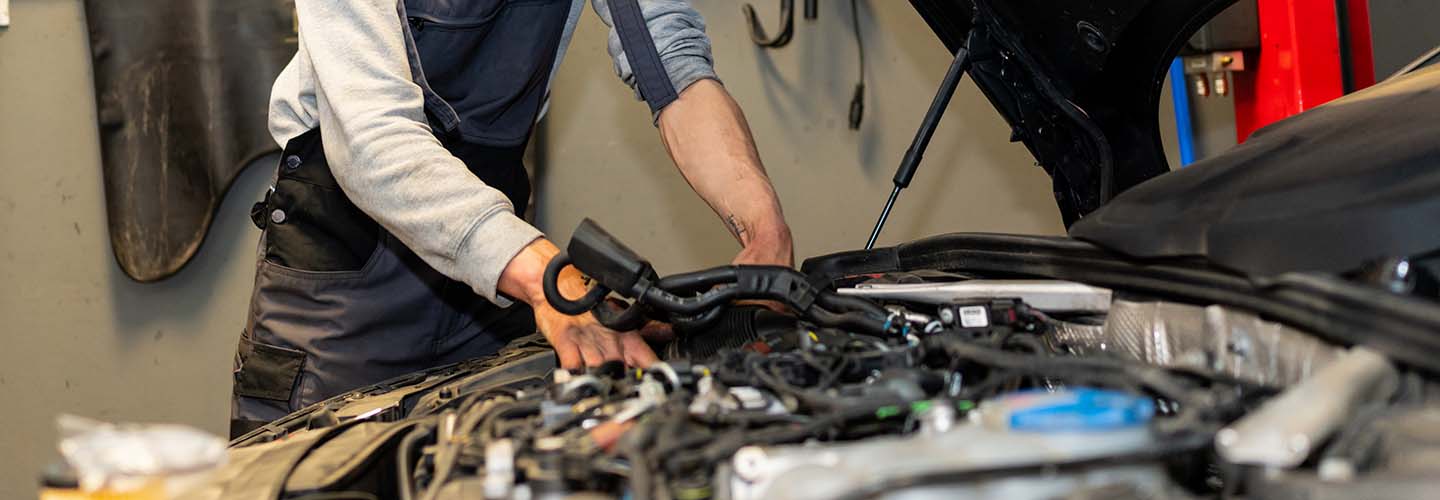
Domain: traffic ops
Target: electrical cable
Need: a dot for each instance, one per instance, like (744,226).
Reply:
(550,284)
(504,410)
(402,459)
(857,102)
(698,281)
(1154,378)
(446,454)
(835,301)
(696,300)
(848,321)
(690,306)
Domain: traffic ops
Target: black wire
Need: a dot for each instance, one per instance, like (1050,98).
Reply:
(476,411)
(1154,378)
(853,321)
(857,102)
(844,303)
(506,410)
(697,282)
(550,284)
(402,456)
(671,303)
(828,374)
(990,382)
(859,40)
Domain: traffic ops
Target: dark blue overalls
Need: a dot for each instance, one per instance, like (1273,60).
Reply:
(338,302)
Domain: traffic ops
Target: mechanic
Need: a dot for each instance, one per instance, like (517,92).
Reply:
(393,239)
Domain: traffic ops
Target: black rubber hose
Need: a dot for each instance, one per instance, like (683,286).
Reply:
(699,281)
(671,303)
(837,302)
(506,410)
(403,459)
(855,321)
(632,448)
(557,300)
(630,318)
(1154,378)
(702,322)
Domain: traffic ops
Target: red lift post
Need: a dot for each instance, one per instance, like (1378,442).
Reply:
(1300,63)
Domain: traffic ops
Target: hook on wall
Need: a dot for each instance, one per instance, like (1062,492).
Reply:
(787,21)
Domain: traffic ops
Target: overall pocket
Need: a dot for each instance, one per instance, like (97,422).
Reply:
(310,225)
(265,371)
(490,60)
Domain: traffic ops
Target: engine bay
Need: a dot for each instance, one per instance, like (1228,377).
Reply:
(923,384)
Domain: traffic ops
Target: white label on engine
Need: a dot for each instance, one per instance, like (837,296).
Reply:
(974,317)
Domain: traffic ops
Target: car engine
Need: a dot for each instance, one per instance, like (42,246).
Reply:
(918,385)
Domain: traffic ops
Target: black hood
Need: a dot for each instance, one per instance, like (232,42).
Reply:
(1079,82)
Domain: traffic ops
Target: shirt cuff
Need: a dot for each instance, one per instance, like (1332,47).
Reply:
(487,250)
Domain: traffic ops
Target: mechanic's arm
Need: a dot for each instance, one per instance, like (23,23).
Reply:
(706,135)
(705,131)
(388,162)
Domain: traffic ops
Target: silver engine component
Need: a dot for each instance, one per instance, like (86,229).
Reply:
(821,471)
(1285,430)
(1045,295)
(1214,339)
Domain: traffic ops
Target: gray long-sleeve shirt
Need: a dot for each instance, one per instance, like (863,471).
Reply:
(351,77)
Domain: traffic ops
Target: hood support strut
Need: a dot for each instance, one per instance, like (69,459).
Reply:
(911,162)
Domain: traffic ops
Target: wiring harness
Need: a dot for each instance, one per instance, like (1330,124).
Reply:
(695,300)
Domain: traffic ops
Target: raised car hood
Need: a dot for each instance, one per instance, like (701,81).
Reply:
(1079,82)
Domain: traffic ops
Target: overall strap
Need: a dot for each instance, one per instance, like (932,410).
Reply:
(650,75)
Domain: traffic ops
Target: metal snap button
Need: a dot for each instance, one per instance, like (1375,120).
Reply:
(292,162)
(277,216)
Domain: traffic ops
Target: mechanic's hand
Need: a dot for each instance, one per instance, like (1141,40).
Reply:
(582,341)
(768,248)
(579,341)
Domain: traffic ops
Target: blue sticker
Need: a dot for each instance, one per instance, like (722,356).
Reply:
(1074,410)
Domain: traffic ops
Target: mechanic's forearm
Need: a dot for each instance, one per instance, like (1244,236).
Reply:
(707,136)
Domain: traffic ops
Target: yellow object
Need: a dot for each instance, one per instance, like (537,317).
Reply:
(154,490)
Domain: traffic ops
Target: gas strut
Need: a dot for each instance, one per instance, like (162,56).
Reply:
(911,162)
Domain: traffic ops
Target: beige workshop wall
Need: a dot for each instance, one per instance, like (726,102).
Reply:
(603,159)
(77,335)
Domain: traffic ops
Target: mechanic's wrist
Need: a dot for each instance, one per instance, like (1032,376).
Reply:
(524,275)
(769,244)
(772,234)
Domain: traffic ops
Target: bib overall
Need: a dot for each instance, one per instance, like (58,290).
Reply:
(338,302)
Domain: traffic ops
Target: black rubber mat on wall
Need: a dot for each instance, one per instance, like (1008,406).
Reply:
(182,88)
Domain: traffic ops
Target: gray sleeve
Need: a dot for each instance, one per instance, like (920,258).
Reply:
(384,156)
(678,33)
